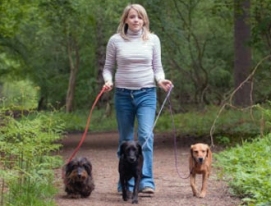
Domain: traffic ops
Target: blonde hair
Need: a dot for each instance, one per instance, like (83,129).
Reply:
(122,28)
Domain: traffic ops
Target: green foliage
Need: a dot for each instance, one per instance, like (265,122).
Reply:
(223,140)
(27,164)
(35,35)
(19,94)
(233,126)
(247,168)
(201,70)
(231,123)
(77,121)
(31,193)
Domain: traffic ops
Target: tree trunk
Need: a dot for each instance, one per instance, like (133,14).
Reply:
(242,52)
(74,67)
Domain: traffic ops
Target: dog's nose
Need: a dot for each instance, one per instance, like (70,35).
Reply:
(79,173)
(200,159)
(132,159)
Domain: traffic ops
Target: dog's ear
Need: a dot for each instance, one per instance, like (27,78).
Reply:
(191,150)
(191,159)
(87,165)
(122,148)
(208,150)
(69,166)
(139,148)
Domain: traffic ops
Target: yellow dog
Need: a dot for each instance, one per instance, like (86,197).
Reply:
(200,162)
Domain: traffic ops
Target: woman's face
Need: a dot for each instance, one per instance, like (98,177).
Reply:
(134,21)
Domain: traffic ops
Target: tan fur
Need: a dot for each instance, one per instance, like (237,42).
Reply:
(200,162)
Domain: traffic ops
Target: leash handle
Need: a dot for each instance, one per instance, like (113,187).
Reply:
(163,104)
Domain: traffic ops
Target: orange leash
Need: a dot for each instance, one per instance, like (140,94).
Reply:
(87,126)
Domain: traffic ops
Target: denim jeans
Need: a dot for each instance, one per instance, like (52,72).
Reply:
(140,105)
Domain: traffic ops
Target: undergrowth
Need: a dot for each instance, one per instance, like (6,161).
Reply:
(247,169)
(27,162)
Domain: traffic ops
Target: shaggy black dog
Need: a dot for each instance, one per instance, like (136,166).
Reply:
(130,165)
(78,178)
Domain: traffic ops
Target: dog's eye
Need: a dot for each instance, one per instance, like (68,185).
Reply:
(86,166)
(132,149)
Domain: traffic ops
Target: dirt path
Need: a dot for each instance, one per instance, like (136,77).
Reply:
(171,190)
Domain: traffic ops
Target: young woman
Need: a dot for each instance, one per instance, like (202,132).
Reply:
(133,60)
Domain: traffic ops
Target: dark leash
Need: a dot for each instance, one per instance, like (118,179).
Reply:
(175,143)
(174,128)
(158,115)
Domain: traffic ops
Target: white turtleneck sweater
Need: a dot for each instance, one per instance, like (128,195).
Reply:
(137,62)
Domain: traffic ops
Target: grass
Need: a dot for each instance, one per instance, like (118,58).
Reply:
(230,123)
(247,169)
(77,121)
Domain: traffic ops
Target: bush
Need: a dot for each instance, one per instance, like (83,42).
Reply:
(27,161)
(247,167)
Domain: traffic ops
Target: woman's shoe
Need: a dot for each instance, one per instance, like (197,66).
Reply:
(147,190)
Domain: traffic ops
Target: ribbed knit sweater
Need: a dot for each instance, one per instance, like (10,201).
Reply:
(136,63)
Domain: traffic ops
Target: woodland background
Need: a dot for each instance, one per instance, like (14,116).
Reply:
(210,48)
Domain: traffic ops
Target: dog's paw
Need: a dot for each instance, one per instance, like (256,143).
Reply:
(85,194)
(74,196)
(125,197)
(202,194)
(134,201)
(195,192)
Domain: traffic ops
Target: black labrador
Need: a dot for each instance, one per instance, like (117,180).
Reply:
(130,165)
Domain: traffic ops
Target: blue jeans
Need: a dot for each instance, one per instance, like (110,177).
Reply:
(140,105)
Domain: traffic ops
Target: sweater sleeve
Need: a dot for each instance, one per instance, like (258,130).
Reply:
(157,62)
(110,61)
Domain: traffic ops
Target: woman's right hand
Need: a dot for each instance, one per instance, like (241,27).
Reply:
(108,86)
(165,84)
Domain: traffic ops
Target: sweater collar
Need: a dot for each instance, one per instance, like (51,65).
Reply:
(134,34)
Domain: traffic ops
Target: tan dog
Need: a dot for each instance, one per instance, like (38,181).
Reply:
(200,163)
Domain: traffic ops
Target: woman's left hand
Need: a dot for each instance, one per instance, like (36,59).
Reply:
(165,84)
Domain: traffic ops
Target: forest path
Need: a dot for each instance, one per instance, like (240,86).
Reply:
(171,189)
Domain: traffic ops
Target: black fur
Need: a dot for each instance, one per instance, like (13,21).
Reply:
(130,165)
